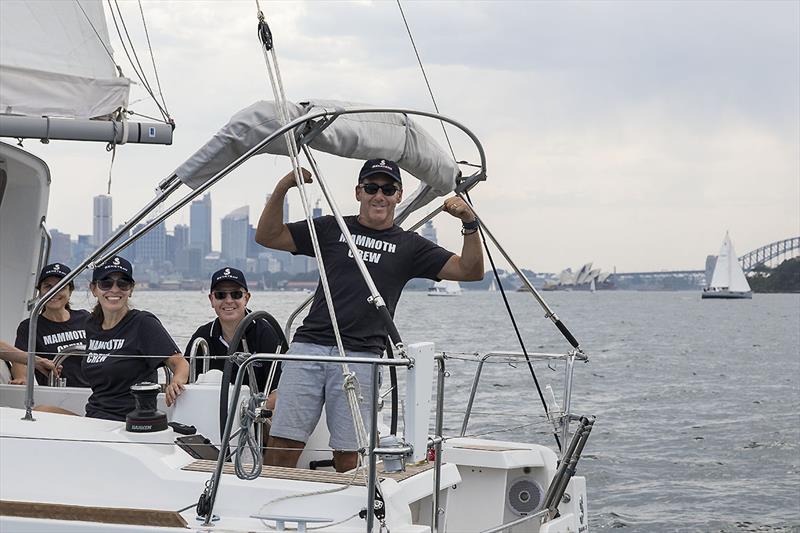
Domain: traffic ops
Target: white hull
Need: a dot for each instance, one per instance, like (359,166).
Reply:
(94,476)
(726,295)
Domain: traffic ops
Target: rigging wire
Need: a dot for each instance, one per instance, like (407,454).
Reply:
(483,238)
(153,60)
(110,55)
(424,75)
(516,327)
(140,71)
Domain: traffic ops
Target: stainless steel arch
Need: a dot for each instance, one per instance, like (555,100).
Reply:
(773,250)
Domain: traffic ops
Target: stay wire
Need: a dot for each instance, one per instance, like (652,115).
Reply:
(110,55)
(138,71)
(424,75)
(141,68)
(514,323)
(153,60)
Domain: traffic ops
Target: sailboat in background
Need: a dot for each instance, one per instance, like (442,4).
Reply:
(728,280)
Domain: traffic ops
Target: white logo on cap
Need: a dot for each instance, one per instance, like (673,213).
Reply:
(227,272)
(116,261)
(382,164)
(56,267)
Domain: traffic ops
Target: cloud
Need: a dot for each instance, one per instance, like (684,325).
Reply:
(628,133)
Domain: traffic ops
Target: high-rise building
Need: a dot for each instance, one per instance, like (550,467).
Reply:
(60,247)
(181,233)
(235,236)
(200,224)
(429,232)
(151,247)
(101,229)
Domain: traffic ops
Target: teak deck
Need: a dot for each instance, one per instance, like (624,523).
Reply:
(315,476)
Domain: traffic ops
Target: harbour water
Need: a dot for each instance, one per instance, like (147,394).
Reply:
(697,402)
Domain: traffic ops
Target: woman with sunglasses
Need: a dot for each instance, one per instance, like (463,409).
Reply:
(125,346)
(58,328)
(229,297)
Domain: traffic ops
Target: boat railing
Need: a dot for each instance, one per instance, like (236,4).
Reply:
(44,255)
(509,357)
(200,344)
(53,379)
(212,487)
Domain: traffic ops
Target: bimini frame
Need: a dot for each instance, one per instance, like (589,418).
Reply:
(120,240)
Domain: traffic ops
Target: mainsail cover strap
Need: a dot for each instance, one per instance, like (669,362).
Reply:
(357,136)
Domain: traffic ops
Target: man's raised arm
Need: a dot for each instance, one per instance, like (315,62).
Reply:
(469,265)
(271,231)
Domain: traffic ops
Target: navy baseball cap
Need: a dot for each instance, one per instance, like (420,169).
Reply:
(233,275)
(56,270)
(380,166)
(115,264)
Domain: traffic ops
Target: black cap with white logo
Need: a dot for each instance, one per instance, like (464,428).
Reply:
(233,275)
(115,264)
(380,166)
(56,270)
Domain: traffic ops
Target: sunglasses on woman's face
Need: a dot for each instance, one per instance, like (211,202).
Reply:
(235,295)
(108,283)
(372,188)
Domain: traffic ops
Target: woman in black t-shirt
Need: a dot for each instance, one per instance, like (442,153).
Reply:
(114,332)
(59,327)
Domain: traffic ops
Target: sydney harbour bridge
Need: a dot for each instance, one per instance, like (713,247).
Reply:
(771,254)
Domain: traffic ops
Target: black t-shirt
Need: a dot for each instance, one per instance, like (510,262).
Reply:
(392,256)
(138,333)
(260,337)
(55,337)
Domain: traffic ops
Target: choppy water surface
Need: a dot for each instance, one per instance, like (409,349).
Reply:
(697,402)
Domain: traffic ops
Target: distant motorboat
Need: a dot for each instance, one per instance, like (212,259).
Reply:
(728,280)
(445,288)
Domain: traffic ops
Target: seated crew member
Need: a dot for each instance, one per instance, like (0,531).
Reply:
(229,297)
(115,331)
(19,357)
(393,256)
(59,327)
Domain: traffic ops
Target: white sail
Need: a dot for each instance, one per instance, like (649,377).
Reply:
(55,60)
(728,273)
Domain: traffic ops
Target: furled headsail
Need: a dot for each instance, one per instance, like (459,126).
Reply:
(358,136)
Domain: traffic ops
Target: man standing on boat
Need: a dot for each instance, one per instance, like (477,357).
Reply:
(393,256)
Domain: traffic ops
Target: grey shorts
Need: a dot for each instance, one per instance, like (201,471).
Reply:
(306,386)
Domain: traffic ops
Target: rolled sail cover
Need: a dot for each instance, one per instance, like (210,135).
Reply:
(358,136)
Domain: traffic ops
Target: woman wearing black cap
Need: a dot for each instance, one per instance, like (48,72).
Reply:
(59,327)
(113,333)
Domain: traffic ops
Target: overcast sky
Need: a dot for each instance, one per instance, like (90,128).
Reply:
(631,134)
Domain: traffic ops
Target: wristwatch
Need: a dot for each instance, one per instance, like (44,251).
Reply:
(468,228)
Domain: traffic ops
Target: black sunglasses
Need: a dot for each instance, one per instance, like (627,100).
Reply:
(236,295)
(108,283)
(372,188)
